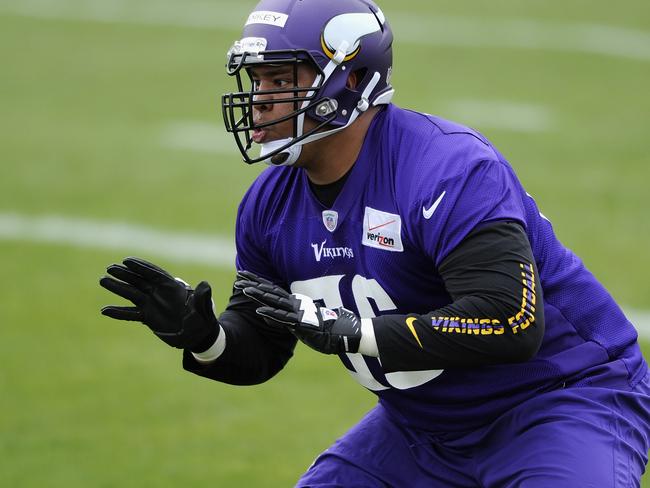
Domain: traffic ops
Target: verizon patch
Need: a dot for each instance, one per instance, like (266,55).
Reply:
(382,230)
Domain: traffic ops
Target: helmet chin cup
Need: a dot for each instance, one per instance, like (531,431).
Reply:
(287,157)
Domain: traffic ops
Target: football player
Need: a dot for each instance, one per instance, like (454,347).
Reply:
(406,245)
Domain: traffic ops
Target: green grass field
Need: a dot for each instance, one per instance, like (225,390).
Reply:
(93,94)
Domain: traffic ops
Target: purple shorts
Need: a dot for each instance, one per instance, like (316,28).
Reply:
(571,437)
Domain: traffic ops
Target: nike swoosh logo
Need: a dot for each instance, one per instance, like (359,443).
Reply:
(428,212)
(409,324)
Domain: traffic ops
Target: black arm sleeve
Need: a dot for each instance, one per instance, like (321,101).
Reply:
(254,351)
(496,315)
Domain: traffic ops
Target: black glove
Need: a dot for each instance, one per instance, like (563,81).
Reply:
(178,315)
(325,330)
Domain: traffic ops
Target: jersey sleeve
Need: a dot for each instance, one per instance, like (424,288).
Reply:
(496,316)
(485,192)
(252,240)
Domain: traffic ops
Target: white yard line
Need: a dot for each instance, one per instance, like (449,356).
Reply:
(499,114)
(208,137)
(190,13)
(131,239)
(434,30)
(514,33)
(207,250)
(198,136)
(641,320)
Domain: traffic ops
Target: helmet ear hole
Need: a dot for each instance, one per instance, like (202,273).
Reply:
(356,78)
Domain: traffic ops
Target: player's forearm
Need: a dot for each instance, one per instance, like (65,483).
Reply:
(496,315)
(454,337)
(247,351)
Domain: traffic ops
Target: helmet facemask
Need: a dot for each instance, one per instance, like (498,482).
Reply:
(238,107)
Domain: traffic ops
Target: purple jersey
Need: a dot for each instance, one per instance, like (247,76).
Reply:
(418,187)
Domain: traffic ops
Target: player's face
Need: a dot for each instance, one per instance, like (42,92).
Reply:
(277,78)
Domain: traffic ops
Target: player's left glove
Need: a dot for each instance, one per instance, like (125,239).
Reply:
(325,330)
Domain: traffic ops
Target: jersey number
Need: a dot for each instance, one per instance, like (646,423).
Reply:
(327,288)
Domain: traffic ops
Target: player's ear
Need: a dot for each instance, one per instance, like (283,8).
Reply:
(355,79)
(352,81)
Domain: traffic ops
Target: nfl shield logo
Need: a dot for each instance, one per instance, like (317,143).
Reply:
(330,219)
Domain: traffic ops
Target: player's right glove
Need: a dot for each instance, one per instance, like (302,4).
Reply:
(325,330)
(177,314)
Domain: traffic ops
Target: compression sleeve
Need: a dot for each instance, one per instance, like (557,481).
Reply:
(254,351)
(496,314)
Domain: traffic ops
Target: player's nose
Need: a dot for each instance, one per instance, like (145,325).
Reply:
(261,102)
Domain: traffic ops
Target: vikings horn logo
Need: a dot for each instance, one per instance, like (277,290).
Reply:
(350,28)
